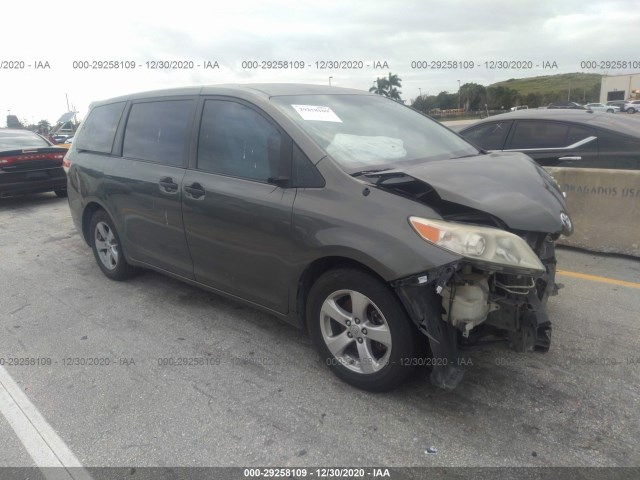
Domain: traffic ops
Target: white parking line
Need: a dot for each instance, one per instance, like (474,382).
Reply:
(41,441)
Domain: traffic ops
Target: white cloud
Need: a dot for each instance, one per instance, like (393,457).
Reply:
(398,32)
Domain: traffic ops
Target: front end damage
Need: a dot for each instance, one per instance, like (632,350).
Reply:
(502,216)
(466,303)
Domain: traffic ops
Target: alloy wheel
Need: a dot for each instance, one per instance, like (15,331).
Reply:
(355,331)
(106,245)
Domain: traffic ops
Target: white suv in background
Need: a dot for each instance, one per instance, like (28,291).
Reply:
(598,107)
(632,106)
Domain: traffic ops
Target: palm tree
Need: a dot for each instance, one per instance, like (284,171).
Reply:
(394,94)
(380,88)
(393,80)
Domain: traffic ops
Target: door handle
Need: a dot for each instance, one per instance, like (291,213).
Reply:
(570,158)
(195,191)
(167,185)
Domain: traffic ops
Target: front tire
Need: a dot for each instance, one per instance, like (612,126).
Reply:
(107,249)
(630,110)
(361,330)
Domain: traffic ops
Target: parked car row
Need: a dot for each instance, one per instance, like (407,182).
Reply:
(613,106)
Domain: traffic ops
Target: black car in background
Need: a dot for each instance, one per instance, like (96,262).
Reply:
(562,138)
(30,164)
(566,105)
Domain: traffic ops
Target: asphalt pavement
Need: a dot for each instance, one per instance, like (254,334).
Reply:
(110,375)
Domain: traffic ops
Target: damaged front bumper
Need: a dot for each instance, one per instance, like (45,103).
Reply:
(465,302)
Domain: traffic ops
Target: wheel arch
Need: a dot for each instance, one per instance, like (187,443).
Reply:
(87,213)
(317,268)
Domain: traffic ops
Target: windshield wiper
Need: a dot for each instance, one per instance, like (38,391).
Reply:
(367,172)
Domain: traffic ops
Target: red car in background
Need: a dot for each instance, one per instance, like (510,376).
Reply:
(30,164)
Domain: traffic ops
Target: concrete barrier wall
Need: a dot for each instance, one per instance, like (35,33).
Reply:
(604,206)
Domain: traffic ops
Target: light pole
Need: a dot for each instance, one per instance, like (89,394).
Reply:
(330,80)
(458,94)
(420,90)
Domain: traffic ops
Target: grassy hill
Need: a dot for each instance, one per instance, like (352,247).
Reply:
(581,84)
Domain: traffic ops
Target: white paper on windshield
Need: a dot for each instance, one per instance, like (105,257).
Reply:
(316,112)
(356,150)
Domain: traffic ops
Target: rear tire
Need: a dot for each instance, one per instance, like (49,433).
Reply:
(361,330)
(107,248)
(630,110)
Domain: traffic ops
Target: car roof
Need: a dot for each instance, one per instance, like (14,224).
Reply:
(623,124)
(263,90)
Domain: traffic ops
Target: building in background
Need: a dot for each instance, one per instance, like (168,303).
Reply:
(620,87)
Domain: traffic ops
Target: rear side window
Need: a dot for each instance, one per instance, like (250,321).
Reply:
(577,134)
(490,136)
(539,135)
(618,151)
(99,128)
(157,131)
(236,140)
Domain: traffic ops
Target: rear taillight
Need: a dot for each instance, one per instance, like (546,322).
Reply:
(26,157)
(66,163)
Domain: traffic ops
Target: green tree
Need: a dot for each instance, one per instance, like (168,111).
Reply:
(13,122)
(471,96)
(447,101)
(380,88)
(388,86)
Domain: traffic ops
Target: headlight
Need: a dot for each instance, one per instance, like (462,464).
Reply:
(490,245)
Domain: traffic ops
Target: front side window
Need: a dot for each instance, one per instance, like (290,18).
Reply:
(236,140)
(99,129)
(157,131)
(490,136)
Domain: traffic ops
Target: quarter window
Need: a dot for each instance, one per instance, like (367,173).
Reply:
(99,129)
(157,131)
(236,140)
(580,133)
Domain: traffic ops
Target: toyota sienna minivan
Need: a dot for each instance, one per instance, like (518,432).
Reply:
(345,213)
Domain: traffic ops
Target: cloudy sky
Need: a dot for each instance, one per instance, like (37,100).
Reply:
(399,33)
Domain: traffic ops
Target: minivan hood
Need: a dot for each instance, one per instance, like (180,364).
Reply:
(508,185)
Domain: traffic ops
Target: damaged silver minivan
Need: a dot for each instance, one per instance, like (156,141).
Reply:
(375,228)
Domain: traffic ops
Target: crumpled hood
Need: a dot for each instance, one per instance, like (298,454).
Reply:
(509,186)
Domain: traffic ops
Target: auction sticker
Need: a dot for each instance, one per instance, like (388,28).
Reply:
(314,112)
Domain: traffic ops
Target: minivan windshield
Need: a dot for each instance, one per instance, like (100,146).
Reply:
(369,132)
